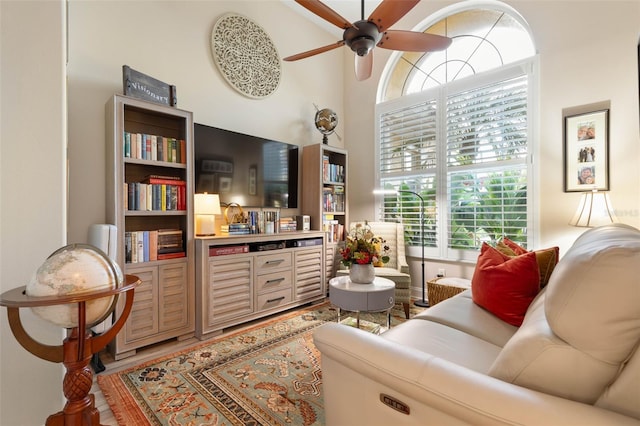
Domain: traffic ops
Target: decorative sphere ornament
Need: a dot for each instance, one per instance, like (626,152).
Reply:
(326,122)
(76,269)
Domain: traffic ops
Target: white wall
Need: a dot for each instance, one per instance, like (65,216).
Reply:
(588,54)
(32,193)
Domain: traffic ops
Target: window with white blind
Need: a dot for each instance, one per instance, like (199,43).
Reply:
(464,148)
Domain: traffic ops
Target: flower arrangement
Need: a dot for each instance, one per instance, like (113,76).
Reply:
(362,247)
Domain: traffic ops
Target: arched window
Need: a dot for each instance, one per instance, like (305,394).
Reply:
(453,127)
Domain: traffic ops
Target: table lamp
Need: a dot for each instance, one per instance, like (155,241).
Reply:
(206,207)
(594,210)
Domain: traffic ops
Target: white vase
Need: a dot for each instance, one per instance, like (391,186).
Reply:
(362,274)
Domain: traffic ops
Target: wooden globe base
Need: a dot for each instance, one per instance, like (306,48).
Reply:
(76,350)
(80,408)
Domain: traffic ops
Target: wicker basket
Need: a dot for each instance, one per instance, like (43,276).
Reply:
(443,288)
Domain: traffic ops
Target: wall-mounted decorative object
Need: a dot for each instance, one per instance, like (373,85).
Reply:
(245,56)
(253,180)
(142,86)
(586,151)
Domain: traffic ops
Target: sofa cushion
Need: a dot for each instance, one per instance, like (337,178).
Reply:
(503,285)
(461,313)
(597,288)
(576,339)
(445,342)
(547,258)
(538,359)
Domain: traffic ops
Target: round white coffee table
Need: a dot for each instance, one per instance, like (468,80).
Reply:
(375,297)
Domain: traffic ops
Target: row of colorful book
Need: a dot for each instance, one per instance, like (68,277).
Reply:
(156,194)
(334,230)
(332,172)
(154,148)
(333,198)
(149,246)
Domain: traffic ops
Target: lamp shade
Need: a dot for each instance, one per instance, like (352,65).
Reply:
(206,206)
(594,210)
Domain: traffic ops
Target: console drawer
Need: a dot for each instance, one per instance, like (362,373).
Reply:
(274,299)
(269,262)
(274,280)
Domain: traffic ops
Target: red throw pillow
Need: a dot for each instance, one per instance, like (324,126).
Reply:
(503,285)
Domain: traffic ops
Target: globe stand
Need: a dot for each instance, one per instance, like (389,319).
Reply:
(76,350)
(325,139)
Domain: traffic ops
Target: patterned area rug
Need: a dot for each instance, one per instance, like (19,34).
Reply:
(268,374)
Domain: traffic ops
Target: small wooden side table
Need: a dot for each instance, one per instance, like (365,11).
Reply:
(375,297)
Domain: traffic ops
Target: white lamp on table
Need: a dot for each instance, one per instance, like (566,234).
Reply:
(206,207)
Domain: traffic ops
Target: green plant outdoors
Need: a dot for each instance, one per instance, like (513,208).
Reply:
(486,212)
(484,207)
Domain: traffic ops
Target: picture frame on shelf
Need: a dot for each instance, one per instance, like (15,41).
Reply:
(586,151)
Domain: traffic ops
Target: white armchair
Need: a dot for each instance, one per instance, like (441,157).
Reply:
(397,269)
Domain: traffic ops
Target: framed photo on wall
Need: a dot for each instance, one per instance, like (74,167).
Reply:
(586,151)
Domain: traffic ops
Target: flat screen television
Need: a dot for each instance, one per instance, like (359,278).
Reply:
(248,170)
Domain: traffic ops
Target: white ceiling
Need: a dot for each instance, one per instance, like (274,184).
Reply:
(348,9)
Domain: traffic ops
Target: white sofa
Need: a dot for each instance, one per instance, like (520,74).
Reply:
(573,361)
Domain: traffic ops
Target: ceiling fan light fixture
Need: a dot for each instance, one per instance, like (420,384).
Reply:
(362,37)
(362,45)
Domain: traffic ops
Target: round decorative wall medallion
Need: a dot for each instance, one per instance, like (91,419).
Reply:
(245,56)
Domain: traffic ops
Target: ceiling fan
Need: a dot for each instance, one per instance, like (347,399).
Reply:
(363,35)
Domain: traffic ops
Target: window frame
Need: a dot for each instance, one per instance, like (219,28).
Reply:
(529,67)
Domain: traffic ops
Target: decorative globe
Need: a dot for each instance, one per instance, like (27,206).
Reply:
(326,121)
(76,269)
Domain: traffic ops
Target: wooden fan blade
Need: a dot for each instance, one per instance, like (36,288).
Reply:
(411,41)
(390,11)
(314,51)
(325,12)
(364,65)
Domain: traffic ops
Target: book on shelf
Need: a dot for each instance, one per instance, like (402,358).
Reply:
(333,198)
(176,255)
(152,196)
(147,246)
(235,229)
(288,224)
(333,229)
(154,148)
(227,250)
(264,220)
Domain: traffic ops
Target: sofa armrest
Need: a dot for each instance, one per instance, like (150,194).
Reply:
(358,367)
